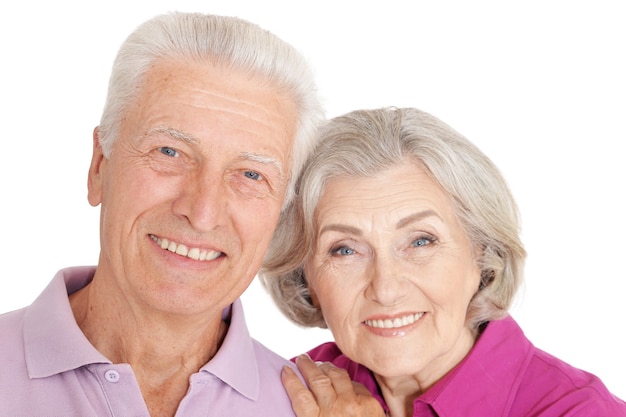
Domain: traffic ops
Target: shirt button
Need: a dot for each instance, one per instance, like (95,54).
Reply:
(112,376)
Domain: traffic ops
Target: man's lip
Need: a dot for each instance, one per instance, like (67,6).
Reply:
(195,253)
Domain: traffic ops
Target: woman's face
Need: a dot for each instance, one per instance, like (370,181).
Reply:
(393,272)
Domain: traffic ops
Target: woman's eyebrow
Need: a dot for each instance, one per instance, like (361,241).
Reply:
(401,223)
(341,228)
(416,217)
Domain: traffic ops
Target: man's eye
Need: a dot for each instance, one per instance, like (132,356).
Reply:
(342,251)
(252,175)
(169,151)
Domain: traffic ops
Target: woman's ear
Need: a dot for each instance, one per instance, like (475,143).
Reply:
(314,299)
(487,274)
(486,278)
(311,293)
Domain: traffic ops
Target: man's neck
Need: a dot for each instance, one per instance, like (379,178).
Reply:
(135,334)
(163,349)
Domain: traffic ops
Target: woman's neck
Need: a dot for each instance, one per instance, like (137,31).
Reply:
(400,391)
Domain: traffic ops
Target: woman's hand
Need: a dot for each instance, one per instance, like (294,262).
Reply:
(331,393)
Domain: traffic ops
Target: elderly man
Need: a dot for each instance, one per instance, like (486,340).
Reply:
(207,122)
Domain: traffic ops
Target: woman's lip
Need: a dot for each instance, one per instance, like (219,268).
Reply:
(394,322)
(397,325)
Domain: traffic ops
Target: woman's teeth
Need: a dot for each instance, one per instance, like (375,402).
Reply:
(394,323)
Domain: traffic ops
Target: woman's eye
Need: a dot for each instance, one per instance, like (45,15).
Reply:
(252,175)
(169,151)
(342,251)
(422,241)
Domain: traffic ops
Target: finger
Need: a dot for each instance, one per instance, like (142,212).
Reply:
(339,378)
(302,400)
(369,406)
(325,400)
(360,390)
(318,382)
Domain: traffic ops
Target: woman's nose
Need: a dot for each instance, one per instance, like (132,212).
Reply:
(388,284)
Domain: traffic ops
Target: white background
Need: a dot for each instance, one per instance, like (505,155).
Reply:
(540,86)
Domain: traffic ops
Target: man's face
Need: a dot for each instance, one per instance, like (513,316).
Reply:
(192,191)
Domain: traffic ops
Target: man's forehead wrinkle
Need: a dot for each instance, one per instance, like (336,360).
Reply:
(238,101)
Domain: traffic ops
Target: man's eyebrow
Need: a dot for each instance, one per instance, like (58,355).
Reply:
(173,133)
(264,159)
(250,156)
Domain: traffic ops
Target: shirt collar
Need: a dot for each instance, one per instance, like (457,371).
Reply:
(475,386)
(235,362)
(54,342)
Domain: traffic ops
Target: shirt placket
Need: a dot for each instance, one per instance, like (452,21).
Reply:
(120,389)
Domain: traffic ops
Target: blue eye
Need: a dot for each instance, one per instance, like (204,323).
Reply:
(169,151)
(252,175)
(342,251)
(422,241)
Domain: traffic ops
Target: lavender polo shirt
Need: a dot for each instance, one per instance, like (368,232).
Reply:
(48,368)
(504,375)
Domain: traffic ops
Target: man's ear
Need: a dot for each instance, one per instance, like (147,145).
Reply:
(94,179)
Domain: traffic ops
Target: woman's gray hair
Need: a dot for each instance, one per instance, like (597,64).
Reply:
(230,41)
(365,142)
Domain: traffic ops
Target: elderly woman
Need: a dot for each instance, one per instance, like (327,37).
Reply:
(404,242)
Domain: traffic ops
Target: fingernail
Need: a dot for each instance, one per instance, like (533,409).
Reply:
(287,370)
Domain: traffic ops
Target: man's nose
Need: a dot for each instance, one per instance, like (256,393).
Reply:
(202,200)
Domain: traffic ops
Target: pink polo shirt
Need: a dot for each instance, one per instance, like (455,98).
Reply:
(48,367)
(504,375)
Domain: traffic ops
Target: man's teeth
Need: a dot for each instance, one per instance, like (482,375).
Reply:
(394,323)
(182,250)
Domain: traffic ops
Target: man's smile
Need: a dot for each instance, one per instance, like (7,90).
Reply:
(182,250)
